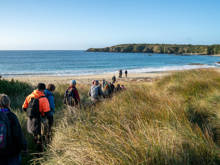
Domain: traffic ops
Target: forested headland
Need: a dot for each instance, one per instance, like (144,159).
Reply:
(161,49)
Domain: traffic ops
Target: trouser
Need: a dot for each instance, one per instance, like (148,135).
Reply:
(34,126)
(14,160)
(50,122)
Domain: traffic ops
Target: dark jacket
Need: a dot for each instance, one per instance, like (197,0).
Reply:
(18,142)
(71,96)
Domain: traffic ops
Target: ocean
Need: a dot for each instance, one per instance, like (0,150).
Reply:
(66,63)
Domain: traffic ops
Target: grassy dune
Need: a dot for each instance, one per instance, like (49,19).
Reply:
(173,121)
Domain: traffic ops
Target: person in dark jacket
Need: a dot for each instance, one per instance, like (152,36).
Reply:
(16,142)
(71,96)
(113,79)
(49,94)
(120,73)
(126,73)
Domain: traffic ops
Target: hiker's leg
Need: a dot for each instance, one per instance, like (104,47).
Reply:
(50,122)
(15,160)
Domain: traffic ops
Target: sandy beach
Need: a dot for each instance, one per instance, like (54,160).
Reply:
(87,79)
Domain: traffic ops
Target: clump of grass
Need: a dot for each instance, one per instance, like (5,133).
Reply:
(17,91)
(173,121)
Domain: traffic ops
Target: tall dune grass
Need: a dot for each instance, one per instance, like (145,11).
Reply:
(173,121)
(17,91)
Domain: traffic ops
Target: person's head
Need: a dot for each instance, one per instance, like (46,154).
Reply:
(73,83)
(96,82)
(41,86)
(4,101)
(51,87)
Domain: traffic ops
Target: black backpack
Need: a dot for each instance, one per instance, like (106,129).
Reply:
(5,133)
(33,108)
(69,97)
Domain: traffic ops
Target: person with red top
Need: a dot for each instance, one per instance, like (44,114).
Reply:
(43,109)
(71,96)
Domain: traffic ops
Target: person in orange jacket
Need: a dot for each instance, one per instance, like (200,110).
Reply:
(44,105)
(34,123)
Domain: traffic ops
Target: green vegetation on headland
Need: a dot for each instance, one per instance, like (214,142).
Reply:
(174,120)
(162,49)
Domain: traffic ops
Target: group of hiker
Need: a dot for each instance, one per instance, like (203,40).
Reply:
(104,90)
(40,108)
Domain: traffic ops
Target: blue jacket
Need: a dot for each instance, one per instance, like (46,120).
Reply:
(50,98)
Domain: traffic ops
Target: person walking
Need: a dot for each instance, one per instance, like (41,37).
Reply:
(126,73)
(37,107)
(71,96)
(12,140)
(96,92)
(113,79)
(120,73)
(50,96)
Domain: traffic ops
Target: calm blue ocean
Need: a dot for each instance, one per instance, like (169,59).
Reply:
(13,63)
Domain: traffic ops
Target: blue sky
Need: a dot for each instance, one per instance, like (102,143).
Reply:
(81,24)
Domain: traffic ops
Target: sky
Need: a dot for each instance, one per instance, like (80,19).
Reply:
(82,24)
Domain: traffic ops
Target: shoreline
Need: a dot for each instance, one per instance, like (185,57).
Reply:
(134,71)
(87,79)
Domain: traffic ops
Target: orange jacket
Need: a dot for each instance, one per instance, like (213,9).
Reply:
(44,105)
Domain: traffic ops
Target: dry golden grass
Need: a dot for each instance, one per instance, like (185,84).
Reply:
(172,121)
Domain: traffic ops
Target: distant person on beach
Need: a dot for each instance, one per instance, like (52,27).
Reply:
(113,79)
(12,140)
(71,96)
(120,73)
(50,96)
(37,107)
(126,73)
(96,91)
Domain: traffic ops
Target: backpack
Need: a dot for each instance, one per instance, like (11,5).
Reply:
(69,97)
(33,108)
(5,132)
(95,91)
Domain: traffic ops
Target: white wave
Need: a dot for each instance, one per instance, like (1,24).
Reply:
(103,71)
(169,68)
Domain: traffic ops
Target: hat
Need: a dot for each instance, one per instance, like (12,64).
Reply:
(73,82)
(97,82)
